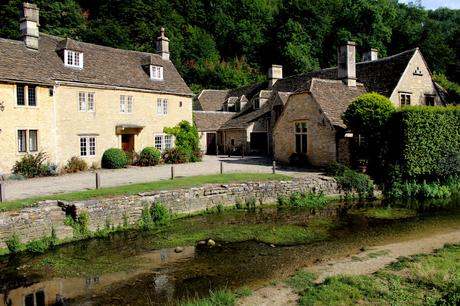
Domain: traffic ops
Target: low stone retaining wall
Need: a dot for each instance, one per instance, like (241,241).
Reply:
(33,223)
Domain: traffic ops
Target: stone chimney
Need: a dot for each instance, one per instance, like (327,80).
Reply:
(347,63)
(29,24)
(275,73)
(371,55)
(163,45)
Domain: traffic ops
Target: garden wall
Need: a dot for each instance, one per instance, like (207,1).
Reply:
(33,223)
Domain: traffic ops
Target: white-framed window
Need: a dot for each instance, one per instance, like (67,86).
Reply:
(27,141)
(404,99)
(126,104)
(301,137)
(162,106)
(163,141)
(156,72)
(86,102)
(26,94)
(73,59)
(87,146)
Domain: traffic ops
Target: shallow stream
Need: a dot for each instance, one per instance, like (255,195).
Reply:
(132,268)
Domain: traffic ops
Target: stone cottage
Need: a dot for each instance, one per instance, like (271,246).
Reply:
(70,98)
(264,120)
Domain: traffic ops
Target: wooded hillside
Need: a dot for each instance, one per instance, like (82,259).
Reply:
(228,43)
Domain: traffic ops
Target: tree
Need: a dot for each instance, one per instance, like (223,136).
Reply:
(187,139)
(368,116)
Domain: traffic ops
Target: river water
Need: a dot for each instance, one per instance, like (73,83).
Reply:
(129,269)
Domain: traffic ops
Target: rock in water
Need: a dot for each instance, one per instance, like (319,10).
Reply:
(211,243)
(179,249)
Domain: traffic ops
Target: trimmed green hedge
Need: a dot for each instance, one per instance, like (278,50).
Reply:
(149,156)
(430,141)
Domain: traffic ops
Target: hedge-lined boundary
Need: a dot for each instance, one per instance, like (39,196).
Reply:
(430,137)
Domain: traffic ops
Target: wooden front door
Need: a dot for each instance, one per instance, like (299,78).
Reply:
(211,143)
(127,142)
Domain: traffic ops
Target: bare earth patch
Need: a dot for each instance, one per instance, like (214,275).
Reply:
(366,262)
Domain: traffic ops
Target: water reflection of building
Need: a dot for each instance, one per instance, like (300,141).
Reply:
(56,291)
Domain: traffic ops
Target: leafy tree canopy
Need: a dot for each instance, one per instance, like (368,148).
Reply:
(228,43)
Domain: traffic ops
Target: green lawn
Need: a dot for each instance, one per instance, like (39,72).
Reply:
(419,280)
(184,182)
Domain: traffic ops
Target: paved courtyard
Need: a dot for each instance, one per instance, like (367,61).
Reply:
(110,178)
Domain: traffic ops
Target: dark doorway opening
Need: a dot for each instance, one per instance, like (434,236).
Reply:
(259,143)
(211,143)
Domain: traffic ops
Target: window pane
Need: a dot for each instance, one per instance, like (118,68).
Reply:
(83,151)
(168,141)
(91,102)
(122,104)
(32,95)
(76,57)
(304,143)
(82,101)
(69,58)
(92,146)
(304,127)
(130,104)
(297,128)
(33,140)
(165,106)
(22,147)
(297,144)
(20,94)
(158,141)
(40,298)
(159,106)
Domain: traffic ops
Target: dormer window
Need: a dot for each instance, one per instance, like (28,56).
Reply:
(73,59)
(256,103)
(156,72)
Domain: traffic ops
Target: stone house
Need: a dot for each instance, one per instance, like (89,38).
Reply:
(70,98)
(266,113)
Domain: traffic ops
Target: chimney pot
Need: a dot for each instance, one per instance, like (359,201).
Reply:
(29,23)
(371,55)
(163,45)
(347,63)
(275,73)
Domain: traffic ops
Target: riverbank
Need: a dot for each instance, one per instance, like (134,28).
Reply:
(332,277)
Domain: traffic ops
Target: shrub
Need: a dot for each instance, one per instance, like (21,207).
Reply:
(298,159)
(174,156)
(335,169)
(34,165)
(350,181)
(303,200)
(187,140)
(149,156)
(160,214)
(146,222)
(114,159)
(75,164)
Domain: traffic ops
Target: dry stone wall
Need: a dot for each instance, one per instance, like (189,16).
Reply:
(33,223)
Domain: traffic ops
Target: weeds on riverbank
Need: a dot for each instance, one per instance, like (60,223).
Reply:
(221,297)
(303,200)
(421,280)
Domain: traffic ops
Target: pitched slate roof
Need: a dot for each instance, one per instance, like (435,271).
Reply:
(211,120)
(102,66)
(210,100)
(334,97)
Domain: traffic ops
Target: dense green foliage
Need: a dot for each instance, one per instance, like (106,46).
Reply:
(75,164)
(174,156)
(351,182)
(32,165)
(114,158)
(453,89)
(224,44)
(368,114)
(149,156)
(430,141)
(187,140)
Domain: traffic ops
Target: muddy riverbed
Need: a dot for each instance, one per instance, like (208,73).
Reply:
(134,268)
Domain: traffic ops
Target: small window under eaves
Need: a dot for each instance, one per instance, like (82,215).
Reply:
(73,59)
(156,72)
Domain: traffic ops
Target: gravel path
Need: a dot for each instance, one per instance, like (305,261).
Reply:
(366,262)
(109,178)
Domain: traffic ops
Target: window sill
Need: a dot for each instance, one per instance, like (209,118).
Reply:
(26,106)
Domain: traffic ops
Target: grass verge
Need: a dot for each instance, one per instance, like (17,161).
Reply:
(420,280)
(184,182)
